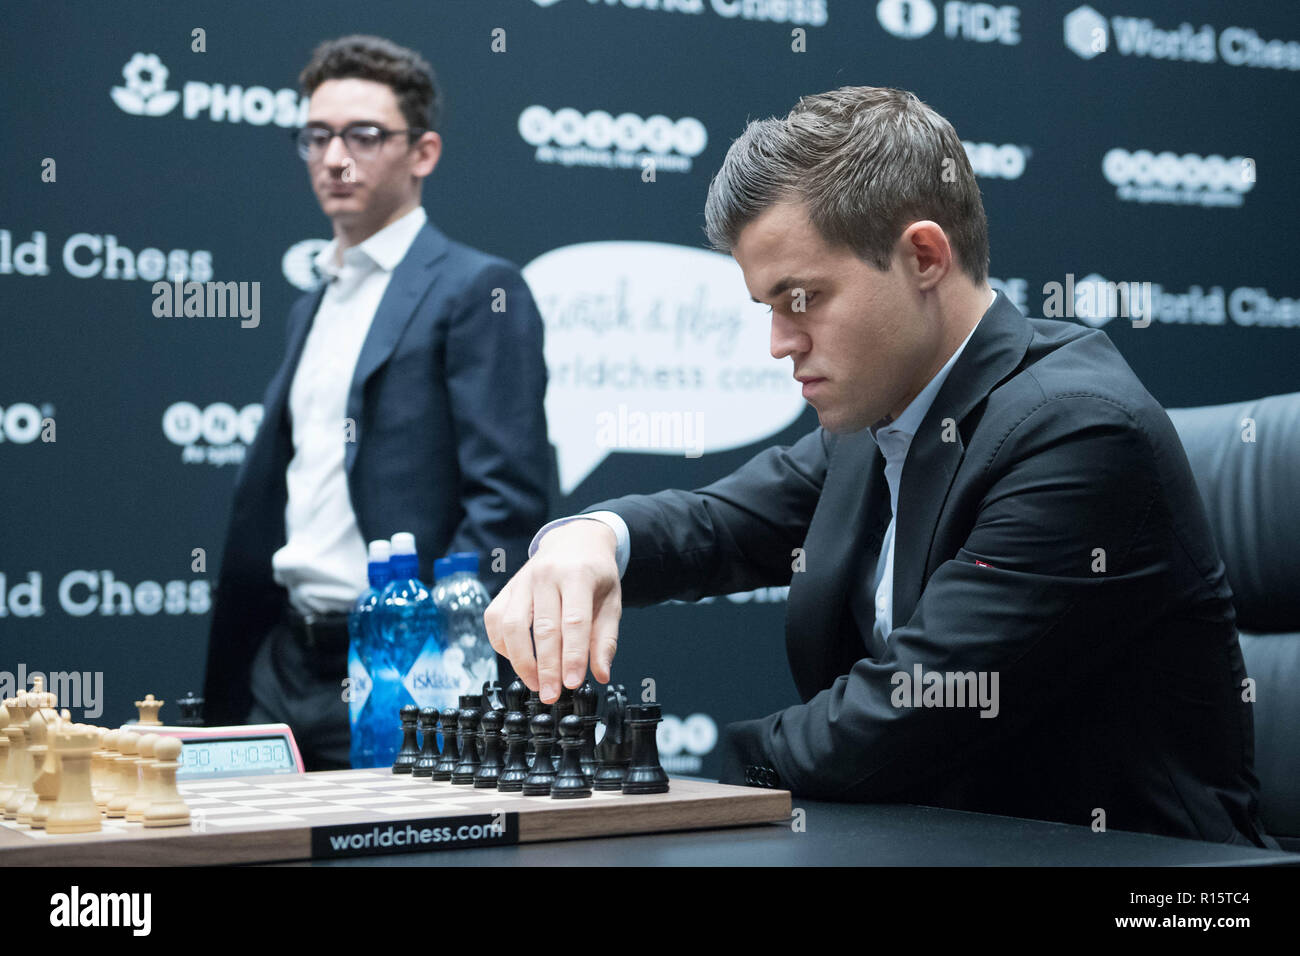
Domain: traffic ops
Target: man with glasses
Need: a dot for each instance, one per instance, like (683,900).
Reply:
(410,399)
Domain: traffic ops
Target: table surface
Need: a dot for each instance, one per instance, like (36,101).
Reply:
(838,834)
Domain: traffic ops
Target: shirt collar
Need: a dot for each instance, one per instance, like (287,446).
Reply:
(910,420)
(385,249)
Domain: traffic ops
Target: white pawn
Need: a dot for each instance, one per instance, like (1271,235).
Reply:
(107,769)
(148,776)
(168,808)
(127,778)
(6,781)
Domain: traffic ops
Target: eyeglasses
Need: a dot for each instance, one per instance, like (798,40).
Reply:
(361,139)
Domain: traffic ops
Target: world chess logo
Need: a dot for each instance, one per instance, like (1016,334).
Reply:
(299,264)
(1085,32)
(145,93)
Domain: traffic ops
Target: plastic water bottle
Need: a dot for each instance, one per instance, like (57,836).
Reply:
(461,601)
(362,638)
(407,622)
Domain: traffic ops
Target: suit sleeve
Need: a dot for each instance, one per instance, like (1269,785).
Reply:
(496,382)
(1074,476)
(736,534)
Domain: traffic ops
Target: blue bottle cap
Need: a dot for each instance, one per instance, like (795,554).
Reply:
(466,561)
(442,567)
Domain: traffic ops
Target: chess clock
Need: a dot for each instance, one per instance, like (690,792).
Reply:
(249,750)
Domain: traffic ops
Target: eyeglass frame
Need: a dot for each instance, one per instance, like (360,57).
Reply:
(297,132)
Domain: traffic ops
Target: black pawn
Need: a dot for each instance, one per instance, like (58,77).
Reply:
(490,770)
(428,758)
(515,770)
(613,752)
(571,781)
(584,705)
(538,782)
(410,751)
(644,775)
(450,752)
(469,760)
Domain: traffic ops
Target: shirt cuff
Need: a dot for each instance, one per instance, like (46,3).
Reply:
(607,518)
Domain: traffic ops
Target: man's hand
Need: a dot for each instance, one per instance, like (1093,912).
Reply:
(570,596)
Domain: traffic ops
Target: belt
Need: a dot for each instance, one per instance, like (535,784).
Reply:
(318,633)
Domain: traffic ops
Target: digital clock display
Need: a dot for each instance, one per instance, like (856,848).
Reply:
(237,757)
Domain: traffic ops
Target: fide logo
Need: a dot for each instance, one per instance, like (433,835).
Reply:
(683,744)
(225,431)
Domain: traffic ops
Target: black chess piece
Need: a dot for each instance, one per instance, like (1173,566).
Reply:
(613,753)
(468,725)
(191,708)
(644,775)
(450,751)
(492,696)
(428,758)
(584,705)
(571,782)
(562,708)
(538,782)
(489,771)
(410,751)
(515,770)
(533,707)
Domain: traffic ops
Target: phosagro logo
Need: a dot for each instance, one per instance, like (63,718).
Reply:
(227,432)
(146,94)
(1187,180)
(683,744)
(568,137)
(978,22)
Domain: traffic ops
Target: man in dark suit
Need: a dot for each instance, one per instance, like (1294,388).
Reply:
(1004,593)
(410,399)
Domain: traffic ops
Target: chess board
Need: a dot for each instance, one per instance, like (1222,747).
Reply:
(366,812)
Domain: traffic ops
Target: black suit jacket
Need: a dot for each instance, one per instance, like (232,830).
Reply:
(1120,685)
(450,442)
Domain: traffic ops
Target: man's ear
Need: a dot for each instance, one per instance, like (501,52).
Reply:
(429,149)
(926,253)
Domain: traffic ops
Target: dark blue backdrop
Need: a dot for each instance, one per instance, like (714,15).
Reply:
(1066,109)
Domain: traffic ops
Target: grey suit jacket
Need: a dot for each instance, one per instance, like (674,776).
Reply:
(1099,601)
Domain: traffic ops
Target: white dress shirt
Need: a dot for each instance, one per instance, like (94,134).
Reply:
(893,440)
(323,561)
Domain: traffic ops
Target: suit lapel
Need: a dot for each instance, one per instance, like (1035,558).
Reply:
(411,281)
(993,353)
(849,522)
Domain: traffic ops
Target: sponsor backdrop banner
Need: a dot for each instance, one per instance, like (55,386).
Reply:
(1136,159)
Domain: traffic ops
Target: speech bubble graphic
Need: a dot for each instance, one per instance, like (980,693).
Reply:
(656,349)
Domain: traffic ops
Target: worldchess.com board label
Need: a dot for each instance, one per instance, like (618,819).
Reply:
(415,836)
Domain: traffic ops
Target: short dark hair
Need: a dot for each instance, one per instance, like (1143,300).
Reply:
(374,58)
(867,161)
